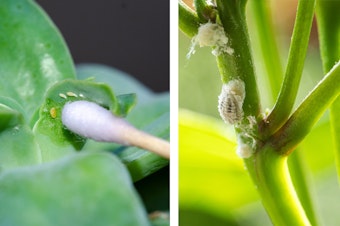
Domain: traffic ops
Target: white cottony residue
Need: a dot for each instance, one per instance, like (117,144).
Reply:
(230,101)
(244,150)
(245,146)
(213,35)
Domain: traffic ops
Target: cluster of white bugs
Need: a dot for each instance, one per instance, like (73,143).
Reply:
(213,35)
(230,101)
(70,94)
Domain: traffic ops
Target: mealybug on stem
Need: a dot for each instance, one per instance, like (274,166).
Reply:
(213,35)
(230,101)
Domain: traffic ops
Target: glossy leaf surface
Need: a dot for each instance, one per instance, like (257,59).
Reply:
(81,189)
(33,55)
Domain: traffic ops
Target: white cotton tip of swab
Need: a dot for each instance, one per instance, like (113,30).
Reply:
(90,120)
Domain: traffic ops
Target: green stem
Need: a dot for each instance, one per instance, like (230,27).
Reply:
(270,173)
(297,54)
(300,181)
(238,65)
(307,114)
(188,20)
(204,11)
(271,57)
(268,44)
(328,19)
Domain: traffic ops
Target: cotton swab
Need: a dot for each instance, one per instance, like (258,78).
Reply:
(92,121)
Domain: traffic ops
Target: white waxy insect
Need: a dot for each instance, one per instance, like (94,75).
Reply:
(71,94)
(62,95)
(230,101)
(213,35)
(244,150)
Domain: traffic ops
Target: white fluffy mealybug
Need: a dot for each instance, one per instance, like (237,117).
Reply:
(244,150)
(90,120)
(213,35)
(230,101)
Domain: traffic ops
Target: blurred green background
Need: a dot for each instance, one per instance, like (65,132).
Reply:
(214,188)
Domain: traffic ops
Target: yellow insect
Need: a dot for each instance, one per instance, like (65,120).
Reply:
(53,112)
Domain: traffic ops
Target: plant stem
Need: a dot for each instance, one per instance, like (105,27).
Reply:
(205,12)
(238,65)
(328,19)
(188,20)
(300,182)
(271,57)
(297,54)
(307,114)
(270,173)
(268,44)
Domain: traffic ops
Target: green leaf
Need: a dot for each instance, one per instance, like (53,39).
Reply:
(150,114)
(53,138)
(9,117)
(81,189)
(120,82)
(126,102)
(18,146)
(152,118)
(33,55)
(142,163)
(212,179)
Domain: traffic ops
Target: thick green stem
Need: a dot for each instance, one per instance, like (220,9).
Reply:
(270,173)
(297,54)
(308,113)
(271,57)
(239,64)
